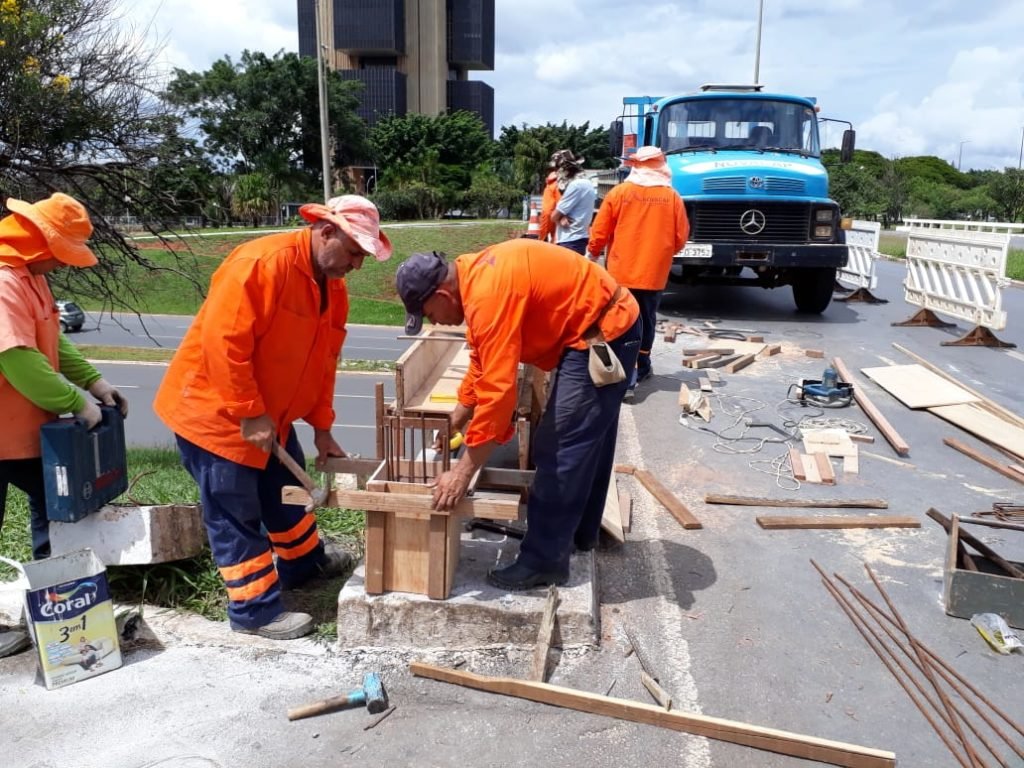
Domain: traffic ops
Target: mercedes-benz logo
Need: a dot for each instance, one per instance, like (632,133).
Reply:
(752,222)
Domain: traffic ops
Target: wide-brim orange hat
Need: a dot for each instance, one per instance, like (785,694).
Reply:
(357,217)
(63,222)
(647,154)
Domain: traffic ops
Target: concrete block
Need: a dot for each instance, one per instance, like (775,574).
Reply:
(135,535)
(476,615)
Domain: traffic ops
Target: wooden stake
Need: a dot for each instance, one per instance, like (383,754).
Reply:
(979,457)
(781,522)
(828,475)
(660,694)
(797,462)
(770,739)
(739,363)
(539,666)
(667,499)
(757,501)
(625,469)
(888,432)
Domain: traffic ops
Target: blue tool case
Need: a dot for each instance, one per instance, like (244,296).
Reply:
(83,469)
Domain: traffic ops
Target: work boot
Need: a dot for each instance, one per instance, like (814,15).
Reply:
(13,640)
(287,626)
(336,562)
(518,577)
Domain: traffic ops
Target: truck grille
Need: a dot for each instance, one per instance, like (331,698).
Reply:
(720,221)
(777,185)
(726,184)
(737,185)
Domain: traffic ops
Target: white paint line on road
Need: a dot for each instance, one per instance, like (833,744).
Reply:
(159,364)
(360,397)
(356,426)
(673,643)
(126,386)
(1016,356)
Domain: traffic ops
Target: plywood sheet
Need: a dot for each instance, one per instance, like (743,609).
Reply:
(917,387)
(984,424)
(611,520)
(437,392)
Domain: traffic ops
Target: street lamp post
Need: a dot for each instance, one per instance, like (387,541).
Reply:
(757,55)
(960,154)
(322,93)
(1020,158)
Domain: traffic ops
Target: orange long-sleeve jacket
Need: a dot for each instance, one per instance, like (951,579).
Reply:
(527,301)
(260,344)
(547,206)
(643,227)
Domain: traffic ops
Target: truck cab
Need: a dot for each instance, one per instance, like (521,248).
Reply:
(748,166)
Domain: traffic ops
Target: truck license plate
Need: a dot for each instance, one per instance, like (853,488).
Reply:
(696,251)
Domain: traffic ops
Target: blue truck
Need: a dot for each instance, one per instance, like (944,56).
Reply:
(748,165)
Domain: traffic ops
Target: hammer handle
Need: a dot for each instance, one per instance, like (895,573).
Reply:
(355,699)
(293,466)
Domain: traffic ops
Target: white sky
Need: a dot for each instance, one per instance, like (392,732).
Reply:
(914,77)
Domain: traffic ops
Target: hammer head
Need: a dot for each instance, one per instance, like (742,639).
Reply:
(320,494)
(376,696)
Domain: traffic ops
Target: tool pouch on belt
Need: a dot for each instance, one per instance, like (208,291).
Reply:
(604,365)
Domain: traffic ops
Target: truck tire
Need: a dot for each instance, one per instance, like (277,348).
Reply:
(812,289)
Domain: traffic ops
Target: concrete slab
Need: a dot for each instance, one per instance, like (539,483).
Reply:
(123,534)
(476,615)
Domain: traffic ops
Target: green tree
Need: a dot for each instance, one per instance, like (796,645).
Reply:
(1006,191)
(77,115)
(261,114)
(253,197)
(433,152)
(526,150)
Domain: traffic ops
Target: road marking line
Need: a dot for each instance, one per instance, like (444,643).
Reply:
(1016,356)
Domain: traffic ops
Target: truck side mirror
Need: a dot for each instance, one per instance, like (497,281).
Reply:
(615,138)
(849,142)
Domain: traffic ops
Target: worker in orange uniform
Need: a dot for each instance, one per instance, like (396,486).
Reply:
(643,223)
(536,303)
(40,370)
(261,353)
(547,206)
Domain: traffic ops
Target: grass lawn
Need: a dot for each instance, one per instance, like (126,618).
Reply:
(160,354)
(193,584)
(373,299)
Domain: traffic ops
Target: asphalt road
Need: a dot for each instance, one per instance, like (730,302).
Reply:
(733,618)
(364,342)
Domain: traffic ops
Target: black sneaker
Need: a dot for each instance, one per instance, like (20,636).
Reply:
(518,577)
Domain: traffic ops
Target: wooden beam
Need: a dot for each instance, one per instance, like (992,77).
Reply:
(538,668)
(759,501)
(888,431)
(625,469)
(707,351)
(781,522)
(828,474)
(667,500)
(493,505)
(626,510)
(815,353)
(347,466)
(654,688)
(770,350)
(739,363)
(769,739)
(796,459)
(979,457)
(705,384)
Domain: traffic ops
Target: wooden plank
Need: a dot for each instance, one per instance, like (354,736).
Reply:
(708,350)
(654,688)
(419,366)
(347,466)
(490,504)
(828,475)
(740,363)
(811,468)
(451,555)
(995,466)
(624,469)
(770,739)
(626,510)
(980,546)
(694,360)
(761,501)
(670,334)
(917,387)
(984,424)
(706,362)
(611,519)
(815,353)
(437,566)
(684,395)
(797,464)
(705,384)
(498,477)
(831,442)
(991,405)
(714,376)
(442,381)
(835,522)
(756,339)
(771,350)
(538,668)
(376,523)
(888,431)
(668,500)
(851,464)
(862,438)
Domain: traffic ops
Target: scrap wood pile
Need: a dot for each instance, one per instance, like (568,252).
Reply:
(976,731)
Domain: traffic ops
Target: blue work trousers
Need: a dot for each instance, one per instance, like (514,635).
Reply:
(648,301)
(574,451)
(246,522)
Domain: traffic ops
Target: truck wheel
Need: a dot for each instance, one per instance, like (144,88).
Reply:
(812,289)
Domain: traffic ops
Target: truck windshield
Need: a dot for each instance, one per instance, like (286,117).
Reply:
(738,123)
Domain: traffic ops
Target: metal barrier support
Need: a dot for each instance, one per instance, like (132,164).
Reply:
(862,242)
(961,273)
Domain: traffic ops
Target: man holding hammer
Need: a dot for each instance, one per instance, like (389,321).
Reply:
(261,353)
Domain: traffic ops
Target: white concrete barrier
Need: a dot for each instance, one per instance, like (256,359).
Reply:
(960,273)
(1000,227)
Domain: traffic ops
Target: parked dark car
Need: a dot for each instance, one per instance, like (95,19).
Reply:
(72,318)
